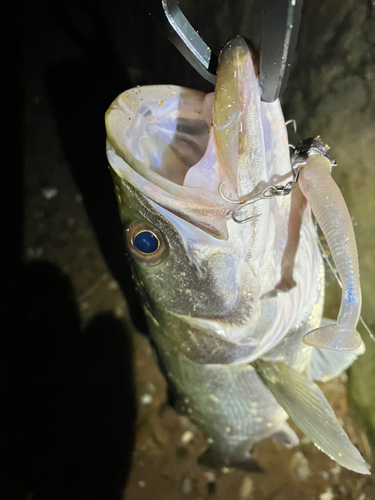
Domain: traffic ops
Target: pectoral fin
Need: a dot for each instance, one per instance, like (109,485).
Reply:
(327,365)
(306,405)
(286,436)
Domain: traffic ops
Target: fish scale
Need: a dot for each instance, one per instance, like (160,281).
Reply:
(226,400)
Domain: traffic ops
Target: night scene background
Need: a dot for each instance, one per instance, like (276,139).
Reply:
(84,406)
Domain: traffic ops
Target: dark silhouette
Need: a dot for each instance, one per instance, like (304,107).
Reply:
(69,395)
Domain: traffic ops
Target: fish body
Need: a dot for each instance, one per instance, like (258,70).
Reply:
(227,304)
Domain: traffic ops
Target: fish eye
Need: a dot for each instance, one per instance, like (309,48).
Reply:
(146,243)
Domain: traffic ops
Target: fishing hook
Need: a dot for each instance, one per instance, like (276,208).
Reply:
(266,194)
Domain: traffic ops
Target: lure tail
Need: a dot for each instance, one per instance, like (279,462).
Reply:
(326,365)
(306,405)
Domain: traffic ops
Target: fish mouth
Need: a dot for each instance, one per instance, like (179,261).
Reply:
(155,136)
(168,133)
(177,145)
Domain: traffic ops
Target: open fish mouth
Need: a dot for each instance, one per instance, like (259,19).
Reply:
(156,135)
(178,145)
(168,133)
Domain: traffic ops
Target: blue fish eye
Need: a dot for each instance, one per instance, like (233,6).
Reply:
(146,242)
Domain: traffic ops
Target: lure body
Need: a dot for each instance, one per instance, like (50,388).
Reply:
(227,303)
(330,211)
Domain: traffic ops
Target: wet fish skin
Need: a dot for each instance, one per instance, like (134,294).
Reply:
(232,405)
(227,308)
(218,398)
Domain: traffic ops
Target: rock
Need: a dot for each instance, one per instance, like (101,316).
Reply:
(186,485)
(300,466)
(327,495)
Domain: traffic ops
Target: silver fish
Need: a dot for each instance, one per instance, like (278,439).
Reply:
(227,303)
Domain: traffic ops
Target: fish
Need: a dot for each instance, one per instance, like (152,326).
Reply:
(233,291)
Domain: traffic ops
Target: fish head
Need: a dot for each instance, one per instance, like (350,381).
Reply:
(169,150)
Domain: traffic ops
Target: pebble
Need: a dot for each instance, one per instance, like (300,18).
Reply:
(344,377)
(187,437)
(336,470)
(327,495)
(141,483)
(300,466)
(49,192)
(246,487)
(186,485)
(210,476)
(151,387)
(146,399)
(33,253)
(119,311)
(112,285)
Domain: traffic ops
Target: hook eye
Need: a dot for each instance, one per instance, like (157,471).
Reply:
(145,242)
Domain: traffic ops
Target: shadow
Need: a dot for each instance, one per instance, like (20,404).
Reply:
(80,89)
(12,134)
(113,47)
(68,395)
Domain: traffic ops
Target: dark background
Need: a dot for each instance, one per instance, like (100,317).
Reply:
(67,389)
(67,379)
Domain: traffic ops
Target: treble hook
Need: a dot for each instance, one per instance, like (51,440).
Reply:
(266,194)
